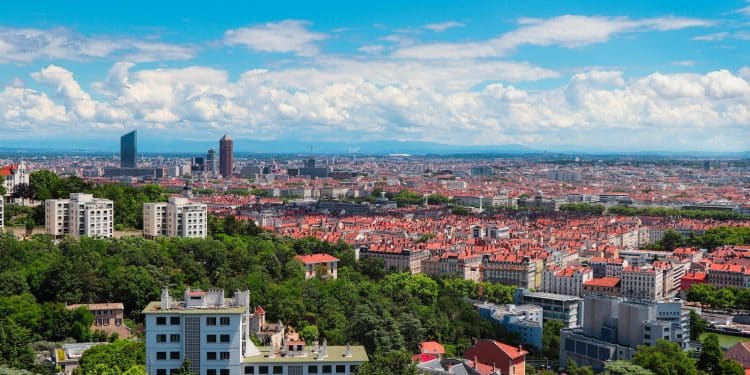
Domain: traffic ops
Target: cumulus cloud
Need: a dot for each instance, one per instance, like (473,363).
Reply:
(288,36)
(347,99)
(568,31)
(23,45)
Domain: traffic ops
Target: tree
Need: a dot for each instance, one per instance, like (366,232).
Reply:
(572,368)
(711,359)
(14,345)
(119,356)
(625,368)
(697,325)
(671,240)
(551,339)
(389,363)
(665,358)
(310,334)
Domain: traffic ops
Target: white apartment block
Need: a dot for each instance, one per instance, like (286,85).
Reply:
(177,218)
(643,283)
(565,280)
(80,215)
(213,332)
(2,213)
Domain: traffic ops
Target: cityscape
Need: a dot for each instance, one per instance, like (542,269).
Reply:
(484,189)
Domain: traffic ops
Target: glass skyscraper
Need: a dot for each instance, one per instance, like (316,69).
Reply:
(128,150)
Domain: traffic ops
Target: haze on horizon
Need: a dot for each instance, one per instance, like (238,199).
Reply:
(584,75)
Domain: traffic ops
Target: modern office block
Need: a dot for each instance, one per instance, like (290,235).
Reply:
(129,150)
(226,156)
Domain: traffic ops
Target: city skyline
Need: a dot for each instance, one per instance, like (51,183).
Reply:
(582,76)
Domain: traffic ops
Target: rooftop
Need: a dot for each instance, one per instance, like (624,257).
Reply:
(155,307)
(335,354)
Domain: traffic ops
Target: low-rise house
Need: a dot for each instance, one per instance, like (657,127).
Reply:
(319,263)
(502,357)
(108,317)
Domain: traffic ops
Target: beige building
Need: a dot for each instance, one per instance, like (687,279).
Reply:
(80,215)
(645,283)
(566,280)
(108,317)
(177,218)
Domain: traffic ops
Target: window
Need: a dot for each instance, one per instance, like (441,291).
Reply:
(161,371)
(326,369)
(175,320)
(278,369)
(175,337)
(224,356)
(224,338)
(249,370)
(312,369)
(211,356)
(161,355)
(174,355)
(263,370)
(211,321)
(224,371)
(161,338)
(224,321)
(211,338)
(211,372)
(160,321)
(340,369)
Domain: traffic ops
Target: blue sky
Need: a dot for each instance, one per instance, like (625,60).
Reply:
(590,75)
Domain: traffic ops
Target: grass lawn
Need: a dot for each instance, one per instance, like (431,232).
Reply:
(727,341)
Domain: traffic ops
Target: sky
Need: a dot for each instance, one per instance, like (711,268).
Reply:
(553,75)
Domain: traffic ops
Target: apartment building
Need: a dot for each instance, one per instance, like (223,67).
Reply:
(522,272)
(607,267)
(80,215)
(613,328)
(524,320)
(606,285)
(644,283)
(727,275)
(2,213)
(397,259)
(564,308)
(565,280)
(179,217)
(465,266)
(214,333)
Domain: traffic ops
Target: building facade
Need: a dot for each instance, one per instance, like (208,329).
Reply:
(564,308)
(642,283)
(226,156)
(176,218)
(565,280)
(12,176)
(129,150)
(108,317)
(80,215)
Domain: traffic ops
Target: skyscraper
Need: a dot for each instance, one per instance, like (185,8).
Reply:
(211,161)
(226,156)
(128,150)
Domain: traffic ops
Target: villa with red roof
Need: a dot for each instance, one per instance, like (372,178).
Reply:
(314,263)
(13,175)
(498,356)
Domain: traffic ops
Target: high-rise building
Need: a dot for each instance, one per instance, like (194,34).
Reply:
(226,156)
(211,161)
(81,215)
(177,218)
(128,149)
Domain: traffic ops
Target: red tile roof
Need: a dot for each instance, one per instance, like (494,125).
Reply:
(316,258)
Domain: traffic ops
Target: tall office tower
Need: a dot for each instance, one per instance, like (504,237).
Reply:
(211,160)
(226,156)
(128,150)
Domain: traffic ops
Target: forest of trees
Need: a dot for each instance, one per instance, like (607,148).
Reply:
(385,312)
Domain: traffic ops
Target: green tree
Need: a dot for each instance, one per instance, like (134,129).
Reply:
(711,359)
(697,325)
(625,368)
(119,356)
(551,339)
(15,350)
(665,358)
(572,368)
(310,334)
(671,240)
(389,363)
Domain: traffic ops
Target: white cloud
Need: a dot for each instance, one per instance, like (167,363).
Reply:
(442,26)
(373,49)
(289,36)
(712,37)
(23,45)
(684,63)
(568,31)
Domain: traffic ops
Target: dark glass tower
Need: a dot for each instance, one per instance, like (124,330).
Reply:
(211,161)
(226,156)
(128,150)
